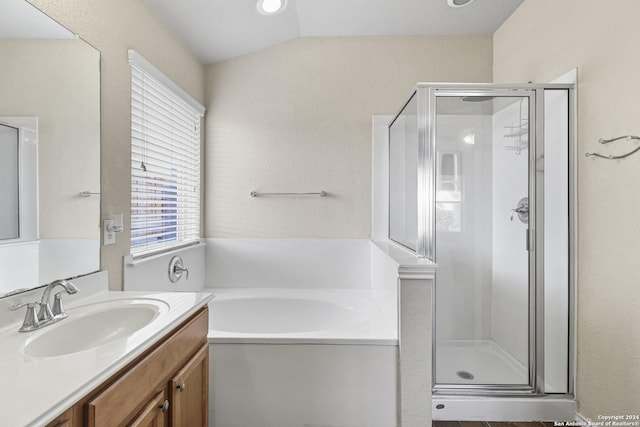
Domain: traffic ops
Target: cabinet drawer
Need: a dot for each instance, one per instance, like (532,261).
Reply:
(128,395)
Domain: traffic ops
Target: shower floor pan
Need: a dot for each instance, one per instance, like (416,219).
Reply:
(477,362)
(488,363)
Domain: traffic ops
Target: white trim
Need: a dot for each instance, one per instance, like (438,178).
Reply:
(413,272)
(410,266)
(131,261)
(137,60)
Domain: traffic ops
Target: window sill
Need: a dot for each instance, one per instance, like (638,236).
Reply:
(130,261)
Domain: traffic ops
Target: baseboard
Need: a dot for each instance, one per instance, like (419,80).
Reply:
(582,419)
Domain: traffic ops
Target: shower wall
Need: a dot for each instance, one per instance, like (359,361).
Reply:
(509,289)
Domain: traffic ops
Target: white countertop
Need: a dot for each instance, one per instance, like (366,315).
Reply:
(38,390)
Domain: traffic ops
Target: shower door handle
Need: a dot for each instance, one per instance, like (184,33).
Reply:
(530,240)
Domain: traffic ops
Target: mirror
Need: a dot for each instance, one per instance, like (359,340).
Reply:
(9,175)
(49,151)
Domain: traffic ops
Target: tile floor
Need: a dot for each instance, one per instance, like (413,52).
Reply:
(490,424)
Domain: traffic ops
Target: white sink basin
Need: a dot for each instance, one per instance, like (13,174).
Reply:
(93,325)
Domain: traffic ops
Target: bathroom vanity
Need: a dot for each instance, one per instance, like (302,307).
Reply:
(119,358)
(169,381)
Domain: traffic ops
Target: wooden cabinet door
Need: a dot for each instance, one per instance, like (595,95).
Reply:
(189,392)
(118,403)
(64,420)
(154,414)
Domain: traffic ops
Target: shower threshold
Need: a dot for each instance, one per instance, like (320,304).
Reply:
(481,408)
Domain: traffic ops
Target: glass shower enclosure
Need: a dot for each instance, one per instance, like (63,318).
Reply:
(480,182)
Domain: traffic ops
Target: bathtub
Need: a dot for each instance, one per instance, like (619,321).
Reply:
(302,357)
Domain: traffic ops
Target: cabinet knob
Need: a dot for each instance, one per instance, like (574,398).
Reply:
(181,386)
(165,406)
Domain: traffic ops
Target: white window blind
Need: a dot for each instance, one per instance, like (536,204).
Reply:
(165,162)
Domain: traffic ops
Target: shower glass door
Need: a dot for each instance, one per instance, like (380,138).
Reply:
(484,327)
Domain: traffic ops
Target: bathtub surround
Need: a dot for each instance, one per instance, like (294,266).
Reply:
(152,273)
(540,41)
(392,369)
(285,263)
(296,117)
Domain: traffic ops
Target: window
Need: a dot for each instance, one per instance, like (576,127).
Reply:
(448,192)
(165,162)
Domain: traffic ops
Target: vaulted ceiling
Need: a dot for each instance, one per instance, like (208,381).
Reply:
(218,30)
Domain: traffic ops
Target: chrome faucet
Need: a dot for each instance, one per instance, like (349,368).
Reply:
(45,316)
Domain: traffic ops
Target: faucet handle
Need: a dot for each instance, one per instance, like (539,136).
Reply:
(176,268)
(31,321)
(58,308)
(29,305)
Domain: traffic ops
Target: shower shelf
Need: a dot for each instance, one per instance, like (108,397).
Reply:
(521,132)
(517,133)
(517,148)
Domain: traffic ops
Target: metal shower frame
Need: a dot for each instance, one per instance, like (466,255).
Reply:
(426,95)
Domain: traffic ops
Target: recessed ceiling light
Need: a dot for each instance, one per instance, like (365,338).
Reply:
(459,3)
(271,7)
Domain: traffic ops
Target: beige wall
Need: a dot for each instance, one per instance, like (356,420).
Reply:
(297,117)
(113,27)
(542,40)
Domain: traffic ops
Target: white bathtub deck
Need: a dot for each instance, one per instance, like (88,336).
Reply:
(367,325)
